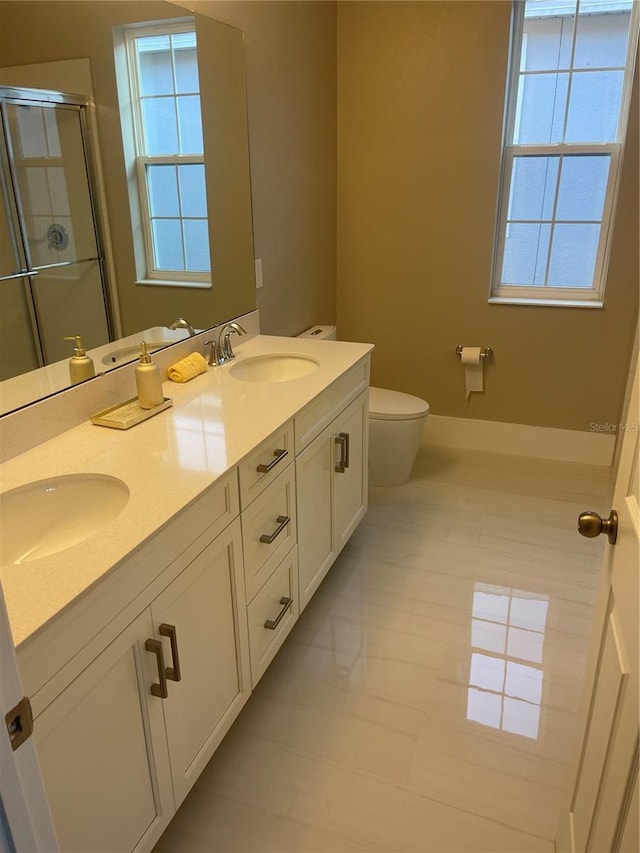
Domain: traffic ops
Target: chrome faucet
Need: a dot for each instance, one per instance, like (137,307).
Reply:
(221,350)
(181,323)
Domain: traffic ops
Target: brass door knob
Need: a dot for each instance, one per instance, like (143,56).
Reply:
(590,524)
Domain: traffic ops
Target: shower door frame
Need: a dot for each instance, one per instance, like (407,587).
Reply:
(80,104)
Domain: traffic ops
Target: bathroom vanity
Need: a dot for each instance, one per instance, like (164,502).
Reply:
(139,646)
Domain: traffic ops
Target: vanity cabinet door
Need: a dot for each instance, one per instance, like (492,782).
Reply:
(103,754)
(314,490)
(351,484)
(331,486)
(205,610)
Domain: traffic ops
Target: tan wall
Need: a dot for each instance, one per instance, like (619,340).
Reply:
(420,101)
(291,82)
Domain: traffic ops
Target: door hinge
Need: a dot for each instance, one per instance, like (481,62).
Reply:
(19,722)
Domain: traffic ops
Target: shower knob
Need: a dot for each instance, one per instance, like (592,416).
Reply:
(590,524)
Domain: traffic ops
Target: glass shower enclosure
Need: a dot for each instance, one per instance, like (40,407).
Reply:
(52,281)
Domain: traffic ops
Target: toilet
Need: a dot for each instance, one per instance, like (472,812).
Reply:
(396,427)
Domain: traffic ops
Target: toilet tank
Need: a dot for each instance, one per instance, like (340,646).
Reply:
(325,333)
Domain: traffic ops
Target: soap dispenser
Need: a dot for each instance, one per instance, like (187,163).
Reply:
(148,381)
(81,365)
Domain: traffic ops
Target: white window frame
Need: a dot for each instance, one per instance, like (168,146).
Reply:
(155,275)
(592,297)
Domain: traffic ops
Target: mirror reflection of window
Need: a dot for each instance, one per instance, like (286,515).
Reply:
(506,672)
(163,72)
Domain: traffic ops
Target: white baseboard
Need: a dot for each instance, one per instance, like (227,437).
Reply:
(561,445)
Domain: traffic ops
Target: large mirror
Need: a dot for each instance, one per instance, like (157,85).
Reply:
(72,47)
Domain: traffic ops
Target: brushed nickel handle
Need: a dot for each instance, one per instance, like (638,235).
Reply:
(272,624)
(279,456)
(159,690)
(342,464)
(590,524)
(172,672)
(268,538)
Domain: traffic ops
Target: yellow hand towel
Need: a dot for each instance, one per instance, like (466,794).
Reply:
(187,368)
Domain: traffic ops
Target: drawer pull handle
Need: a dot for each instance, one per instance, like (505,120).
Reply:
(343,463)
(278,457)
(159,690)
(272,624)
(268,538)
(172,672)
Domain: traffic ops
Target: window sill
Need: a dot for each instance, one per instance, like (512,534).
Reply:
(163,282)
(546,303)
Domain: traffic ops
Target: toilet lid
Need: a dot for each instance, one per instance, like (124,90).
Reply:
(386,405)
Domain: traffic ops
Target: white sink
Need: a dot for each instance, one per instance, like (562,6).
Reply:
(49,516)
(120,356)
(276,367)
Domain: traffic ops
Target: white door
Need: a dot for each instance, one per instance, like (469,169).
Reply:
(603,811)
(25,820)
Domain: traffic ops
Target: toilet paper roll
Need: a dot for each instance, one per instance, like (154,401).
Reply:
(473,376)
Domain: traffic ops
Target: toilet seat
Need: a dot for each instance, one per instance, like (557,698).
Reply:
(386,405)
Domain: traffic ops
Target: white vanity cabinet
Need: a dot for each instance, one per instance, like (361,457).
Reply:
(123,743)
(135,683)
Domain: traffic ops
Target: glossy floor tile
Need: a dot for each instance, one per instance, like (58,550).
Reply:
(426,699)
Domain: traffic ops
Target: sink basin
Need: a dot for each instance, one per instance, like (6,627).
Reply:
(119,356)
(279,367)
(49,516)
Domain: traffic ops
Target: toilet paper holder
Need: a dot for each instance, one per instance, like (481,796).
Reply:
(487,352)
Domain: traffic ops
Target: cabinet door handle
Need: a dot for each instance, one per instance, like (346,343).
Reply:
(343,463)
(272,624)
(159,690)
(268,538)
(278,457)
(172,672)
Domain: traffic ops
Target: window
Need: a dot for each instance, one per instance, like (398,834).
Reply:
(169,153)
(567,106)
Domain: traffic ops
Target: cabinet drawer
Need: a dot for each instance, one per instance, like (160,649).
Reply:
(265,463)
(266,609)
(269,530)
(328,405)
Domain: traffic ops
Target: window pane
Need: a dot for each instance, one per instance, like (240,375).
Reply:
(159,117)
(533,187)
(601,40)
(196,242)
(167,244)
(193,196)
(186,63)
(154,62)
(163,190)
(583,186)
(190,121)
(594,106)
(541,106)
(573,255)
(547,44)
(525,254)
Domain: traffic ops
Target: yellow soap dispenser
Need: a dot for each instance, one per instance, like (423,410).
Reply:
(81,365)
(148,381)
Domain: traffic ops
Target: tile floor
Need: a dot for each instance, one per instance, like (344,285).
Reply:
(426,699)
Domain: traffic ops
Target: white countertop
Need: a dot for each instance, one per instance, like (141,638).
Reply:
(166,462)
